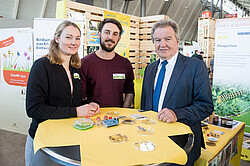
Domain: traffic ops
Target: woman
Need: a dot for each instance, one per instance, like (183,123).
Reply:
(54,87)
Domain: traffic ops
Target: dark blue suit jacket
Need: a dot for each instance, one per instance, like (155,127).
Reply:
(188,95)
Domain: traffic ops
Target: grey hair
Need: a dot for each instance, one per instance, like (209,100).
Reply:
(164,23)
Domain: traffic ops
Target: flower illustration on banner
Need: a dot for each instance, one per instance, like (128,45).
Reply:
(4,60)
(30,48)
(16,58)
(18,55)
(19,61)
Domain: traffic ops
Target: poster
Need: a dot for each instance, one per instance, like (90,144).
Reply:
(231,81)
(93,25)
(188,50)
(44,30)
(123,46)
(91,49)
(93,38)
(153,57)
(196,46)
(16,51)
(0,71)
(73,15)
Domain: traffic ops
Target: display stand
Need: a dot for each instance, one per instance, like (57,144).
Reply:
(206,38)
(226,150)
(146,45)
(140,45)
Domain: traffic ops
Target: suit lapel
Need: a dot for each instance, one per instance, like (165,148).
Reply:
(178,70)
(151,80)
(154,71)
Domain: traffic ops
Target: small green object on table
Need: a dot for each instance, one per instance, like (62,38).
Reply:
(83,124)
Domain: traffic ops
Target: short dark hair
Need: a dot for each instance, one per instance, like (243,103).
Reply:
(201,52)
(110,20)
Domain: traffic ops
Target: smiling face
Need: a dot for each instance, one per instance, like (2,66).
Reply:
(69,41)
(166,44)
(109,37)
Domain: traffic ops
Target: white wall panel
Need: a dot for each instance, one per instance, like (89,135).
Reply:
(7,8)
(29,9)
(50,11)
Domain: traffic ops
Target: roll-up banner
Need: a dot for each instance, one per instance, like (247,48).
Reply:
(231,78)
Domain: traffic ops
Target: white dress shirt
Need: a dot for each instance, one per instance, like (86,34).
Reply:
(169,69)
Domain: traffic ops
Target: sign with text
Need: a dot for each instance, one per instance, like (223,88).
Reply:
(231,15)
(231,82)
(16,51)
(206,14)
(44,30)
(123,46)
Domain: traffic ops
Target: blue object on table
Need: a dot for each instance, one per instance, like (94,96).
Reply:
(110,122)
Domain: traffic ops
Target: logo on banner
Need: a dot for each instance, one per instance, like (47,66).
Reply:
(206,14)
(7,42)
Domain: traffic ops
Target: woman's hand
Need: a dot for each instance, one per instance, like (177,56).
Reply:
(87,110)
(97,111)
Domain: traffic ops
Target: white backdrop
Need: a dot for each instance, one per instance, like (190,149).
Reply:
(16,59)
(232,52)
(44,29)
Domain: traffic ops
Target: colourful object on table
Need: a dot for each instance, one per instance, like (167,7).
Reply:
(110,122)
(145,146)
(145,131)
(141,128)
(128,120)
(56,133)
(105,117)
(112,113)
(98,121)
(83,124)
(118,138)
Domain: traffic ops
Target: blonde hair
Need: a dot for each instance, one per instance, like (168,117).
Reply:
(54,55)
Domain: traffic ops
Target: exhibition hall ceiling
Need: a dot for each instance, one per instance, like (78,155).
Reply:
(245,3)
(185,12)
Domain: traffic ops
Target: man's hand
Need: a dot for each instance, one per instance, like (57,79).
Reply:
(166,115)
(128,100)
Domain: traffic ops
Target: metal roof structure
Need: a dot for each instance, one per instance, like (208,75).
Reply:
(184,12)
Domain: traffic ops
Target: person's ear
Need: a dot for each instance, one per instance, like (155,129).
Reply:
(57,39)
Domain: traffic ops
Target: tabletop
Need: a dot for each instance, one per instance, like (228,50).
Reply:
(96,148)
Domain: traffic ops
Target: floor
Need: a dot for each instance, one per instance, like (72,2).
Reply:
(12,148)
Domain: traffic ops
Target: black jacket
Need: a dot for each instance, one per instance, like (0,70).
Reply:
(49,93)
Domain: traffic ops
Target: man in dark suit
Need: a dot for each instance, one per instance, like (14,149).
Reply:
(185,94)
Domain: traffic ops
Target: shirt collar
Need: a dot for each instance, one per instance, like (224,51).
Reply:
(172,60)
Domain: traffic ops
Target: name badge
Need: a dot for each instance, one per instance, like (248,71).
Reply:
(76,76)
(118,76)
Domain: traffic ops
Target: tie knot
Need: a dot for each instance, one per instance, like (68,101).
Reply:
(163,63)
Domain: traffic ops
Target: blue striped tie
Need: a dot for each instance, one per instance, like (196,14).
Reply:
(157,91)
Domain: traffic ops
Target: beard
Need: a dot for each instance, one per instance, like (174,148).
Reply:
(106,48)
